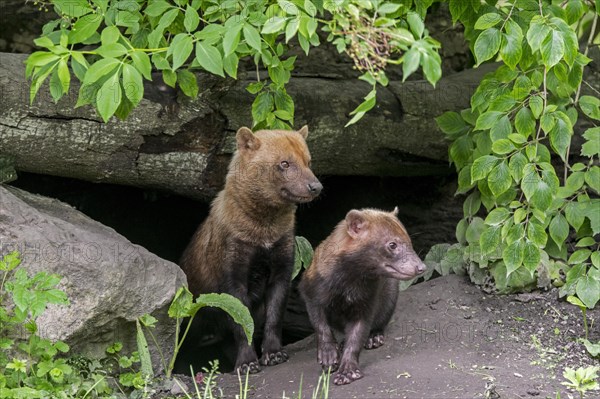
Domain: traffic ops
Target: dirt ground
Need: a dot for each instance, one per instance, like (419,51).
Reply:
(447,340)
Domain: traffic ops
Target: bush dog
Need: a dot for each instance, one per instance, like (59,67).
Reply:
(351,286)
(245,247)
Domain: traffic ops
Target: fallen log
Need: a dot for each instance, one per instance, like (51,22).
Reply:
(183,145)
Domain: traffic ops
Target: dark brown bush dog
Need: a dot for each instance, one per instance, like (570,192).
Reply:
(245,247)
(351,286)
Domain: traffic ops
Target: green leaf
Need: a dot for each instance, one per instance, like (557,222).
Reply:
(488,20)
(262,106)
(365,106)
(488,119)
(574,10)
(482,166)
(592,178)
(432,66)
(181,304)
(232,39)
(388,8)
(410,62)
(574,214)
(536,103)
(474,230)
(472,204)
(497,216)
(288,7)
(112,50)
(461,151)
(192,19)
(144,352)
(591,148)
(525,122)
(499,179)
(511,48)
(230,64)
(72,8)
(560,135)
(537,32)
(579,256)
(252,37)
(487,44)
(595,258)
(516,164)
(99,69)
(559,229)
(553,48)
(169,77)
(133,84)
(542,197)
(109,97)
(167,19)
(291,29)
(181,47)
(233,307)
(531,256)
(590,106)
(537,234)
(110,35)
(141,61)
(451,123)
(588,290)
(209,58)
(187,83)
(84,28)
(157,7)
(490,240)
(64,76)
(503,146)
(502,129)
(274,25)
(513,256)
(303,255)
(415,22)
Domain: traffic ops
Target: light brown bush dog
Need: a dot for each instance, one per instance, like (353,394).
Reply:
(245,247)
(351,286)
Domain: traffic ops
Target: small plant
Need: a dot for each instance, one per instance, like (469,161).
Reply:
(575,301)
(184,306)
(582,380)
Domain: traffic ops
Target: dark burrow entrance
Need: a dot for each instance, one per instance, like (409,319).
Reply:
(163,223)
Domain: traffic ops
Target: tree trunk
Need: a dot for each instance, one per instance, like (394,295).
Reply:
(181,145)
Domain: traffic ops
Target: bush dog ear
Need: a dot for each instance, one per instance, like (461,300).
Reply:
(246,140)
(303,131)
(395,212)
(357,225)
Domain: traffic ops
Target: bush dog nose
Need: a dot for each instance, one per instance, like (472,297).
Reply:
(315,188)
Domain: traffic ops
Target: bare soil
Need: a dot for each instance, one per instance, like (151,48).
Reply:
(447,340)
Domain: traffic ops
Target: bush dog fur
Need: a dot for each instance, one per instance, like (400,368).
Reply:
(245,247)
(351,286)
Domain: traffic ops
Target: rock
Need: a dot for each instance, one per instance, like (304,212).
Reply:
(109,281)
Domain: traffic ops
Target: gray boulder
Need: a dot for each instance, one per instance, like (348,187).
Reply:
(109,280)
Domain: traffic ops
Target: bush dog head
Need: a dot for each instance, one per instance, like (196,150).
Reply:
(383,240)
(279,159)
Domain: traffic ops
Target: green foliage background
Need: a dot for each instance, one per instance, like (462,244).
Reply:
(111,46)
(531,213)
